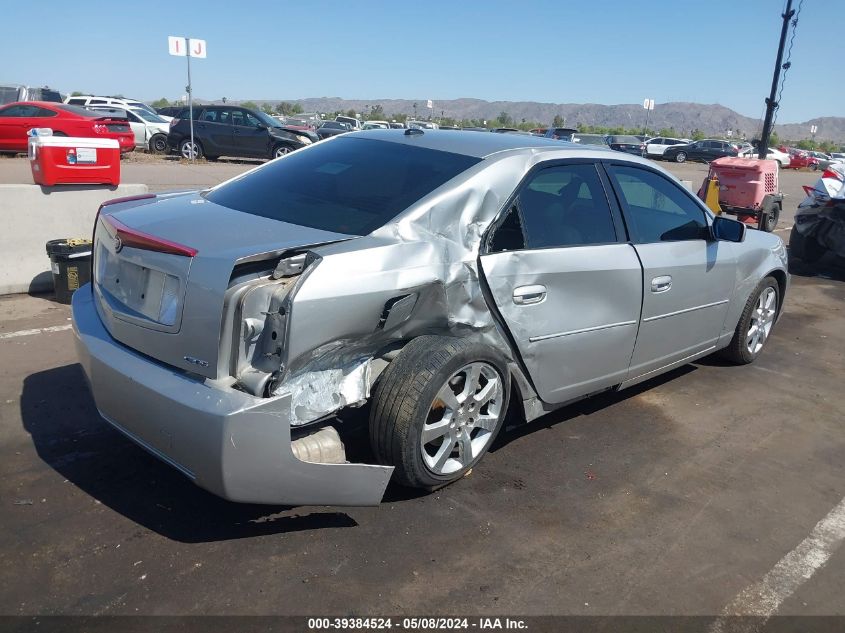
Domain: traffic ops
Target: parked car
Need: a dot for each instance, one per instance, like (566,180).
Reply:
(353,122)
(837,156)
(824,159)
(117,102)
(560,133)
(17,119)
(599,140)
(539,131)
(655,147)
(169,111)
(706,150)
(221,130)
(394,125)
(227,331)
(782,158)
(14,93)
(421,125)
(150,129)
(801,159)
(626,143)
(376,125)
(332,128)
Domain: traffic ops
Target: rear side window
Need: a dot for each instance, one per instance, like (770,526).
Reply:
(658,209)
(347,185)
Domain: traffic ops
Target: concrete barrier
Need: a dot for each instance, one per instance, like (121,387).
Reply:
(32,215)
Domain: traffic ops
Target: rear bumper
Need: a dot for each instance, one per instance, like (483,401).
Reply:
(228,442)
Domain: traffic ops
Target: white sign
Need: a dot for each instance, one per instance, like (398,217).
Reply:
(86,155)
(179,47)
(813,129)
(648,104)
(429,104)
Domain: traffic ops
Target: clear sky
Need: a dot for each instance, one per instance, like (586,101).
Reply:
(561,51)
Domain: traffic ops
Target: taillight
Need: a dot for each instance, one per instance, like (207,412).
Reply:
(127,236)
(173,122)
(143,196)
(829,173)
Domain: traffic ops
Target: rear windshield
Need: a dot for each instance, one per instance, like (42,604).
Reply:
(346,185)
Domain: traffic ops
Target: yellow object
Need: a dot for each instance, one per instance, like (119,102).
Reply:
(78,241)
(711,195)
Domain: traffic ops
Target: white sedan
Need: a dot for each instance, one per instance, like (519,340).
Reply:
(655,147)
(774,154)
(149,128)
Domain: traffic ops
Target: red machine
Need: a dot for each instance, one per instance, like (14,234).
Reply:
(62,160)
(748,188)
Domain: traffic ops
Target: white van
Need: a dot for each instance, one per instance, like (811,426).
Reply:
(117,102)
(11,93)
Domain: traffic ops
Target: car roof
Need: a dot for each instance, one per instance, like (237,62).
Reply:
(466,142)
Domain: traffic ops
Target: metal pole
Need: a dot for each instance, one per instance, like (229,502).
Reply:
(647,112)
(190,96)
(771,104)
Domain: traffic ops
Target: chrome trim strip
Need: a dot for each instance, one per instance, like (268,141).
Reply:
(534,339)
(685,310)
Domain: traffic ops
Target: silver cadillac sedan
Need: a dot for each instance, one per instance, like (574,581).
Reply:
(447,280)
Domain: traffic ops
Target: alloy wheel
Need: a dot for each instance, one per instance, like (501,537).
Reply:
(462,419)
(762,319)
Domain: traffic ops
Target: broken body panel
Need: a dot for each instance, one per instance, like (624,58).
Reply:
(281,326)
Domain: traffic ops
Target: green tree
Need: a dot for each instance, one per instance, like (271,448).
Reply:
(296,109)
(559,121)
(350,113)
(158,103)
(249,104)
(376,113)
(504,119)
(668,131)
(266,108)
(697,134)
(76,93)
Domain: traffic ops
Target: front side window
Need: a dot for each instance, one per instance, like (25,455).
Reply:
(658,209)
(559,206)
(44,113)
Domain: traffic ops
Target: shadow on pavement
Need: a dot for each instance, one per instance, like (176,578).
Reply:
(68,434)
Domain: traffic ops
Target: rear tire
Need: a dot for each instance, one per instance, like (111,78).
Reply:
(185,149)
(437,408)
(280,150)
(755,324)
(681,157)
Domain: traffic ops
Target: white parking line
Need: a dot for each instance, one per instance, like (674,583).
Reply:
(52,328)
(763,599)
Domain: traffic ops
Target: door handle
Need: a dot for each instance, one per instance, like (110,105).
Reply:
(526,295)
(661,284)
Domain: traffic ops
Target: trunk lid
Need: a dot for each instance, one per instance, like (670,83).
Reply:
(162,267)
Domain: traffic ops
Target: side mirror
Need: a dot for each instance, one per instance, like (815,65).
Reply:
(728,230)
(262,126)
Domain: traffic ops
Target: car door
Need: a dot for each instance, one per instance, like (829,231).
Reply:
(250,135)
(11,126)
(688,278)
(213,129)
(19,120)
(565,281)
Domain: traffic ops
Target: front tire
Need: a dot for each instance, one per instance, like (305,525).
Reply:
(681,157)
(158,144)
(755,324)
(437,409)
(280,150)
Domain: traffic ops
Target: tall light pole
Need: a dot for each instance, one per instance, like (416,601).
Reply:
(648,104)
(771,104)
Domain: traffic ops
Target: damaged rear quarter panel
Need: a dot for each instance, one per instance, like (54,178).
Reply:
(430,249)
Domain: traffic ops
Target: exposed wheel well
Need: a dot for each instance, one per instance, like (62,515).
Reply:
(780,277)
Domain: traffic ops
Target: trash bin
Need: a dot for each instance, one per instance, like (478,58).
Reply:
(70,262)
(67,160)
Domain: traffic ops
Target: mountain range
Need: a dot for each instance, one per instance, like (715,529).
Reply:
(712,119)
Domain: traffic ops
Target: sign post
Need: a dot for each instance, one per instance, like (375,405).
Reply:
(813,130)
(182,47)
(648,105)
